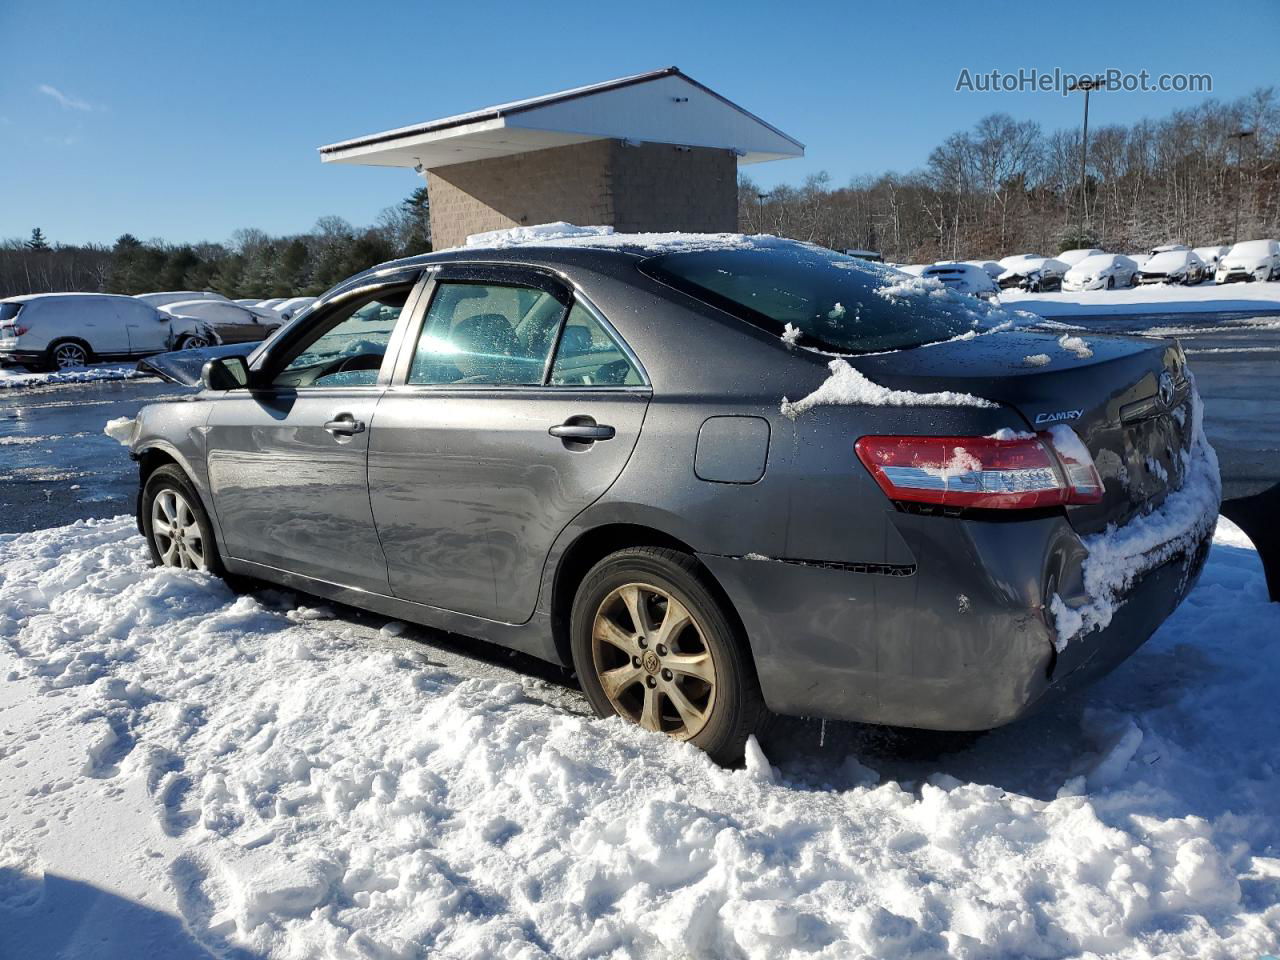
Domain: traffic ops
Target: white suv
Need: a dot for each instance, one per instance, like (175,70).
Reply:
(53,331)
(1250,260)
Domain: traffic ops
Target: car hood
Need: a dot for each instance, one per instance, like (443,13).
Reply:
(184,366)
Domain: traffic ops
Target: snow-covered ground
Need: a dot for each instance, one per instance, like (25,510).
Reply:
(179,764)
(96,373)
(1262,297)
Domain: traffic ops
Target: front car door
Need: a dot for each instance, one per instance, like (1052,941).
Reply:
(513,407)
(288,457)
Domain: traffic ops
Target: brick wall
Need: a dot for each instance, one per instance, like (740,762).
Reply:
(648,187)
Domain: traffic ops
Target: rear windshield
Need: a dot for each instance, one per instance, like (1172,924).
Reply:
(8,311)
(836,302)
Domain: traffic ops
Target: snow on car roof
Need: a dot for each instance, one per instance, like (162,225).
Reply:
(1252,247)
(1098,261)
(1168,260)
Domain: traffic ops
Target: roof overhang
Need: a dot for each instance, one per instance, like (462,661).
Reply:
(664,106)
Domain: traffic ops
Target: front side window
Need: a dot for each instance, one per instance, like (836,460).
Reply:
(588,356)
(834,302)
(485,333)
(347,347)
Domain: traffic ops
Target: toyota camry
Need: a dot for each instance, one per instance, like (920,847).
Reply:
(719,477)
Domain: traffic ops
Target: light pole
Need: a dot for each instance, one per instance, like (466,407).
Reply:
(1086,84)
(760,197)
(1238,137)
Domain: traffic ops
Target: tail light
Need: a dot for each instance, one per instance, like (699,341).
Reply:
(12,329)
(1019,473)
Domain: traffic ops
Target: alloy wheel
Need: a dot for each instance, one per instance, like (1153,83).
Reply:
(70,355)
(176,531)
(195,343)
(653,660)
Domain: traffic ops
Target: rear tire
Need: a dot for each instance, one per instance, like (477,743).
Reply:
(193,342)
(63,354)
(676,665)
(175,524)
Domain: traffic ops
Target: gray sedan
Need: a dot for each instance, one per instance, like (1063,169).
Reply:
(581,450)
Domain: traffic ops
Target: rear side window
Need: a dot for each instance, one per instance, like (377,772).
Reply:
(589,357)
(484,333)
(9,311)
(836,302)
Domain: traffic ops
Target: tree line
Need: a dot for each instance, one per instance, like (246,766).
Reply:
(1005,186)
(252,264)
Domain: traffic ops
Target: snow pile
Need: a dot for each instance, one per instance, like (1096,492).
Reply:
(293,789)
(120,430)
(1120,555)
(107,371)
(1260,296)
(1036,359)
(540,233)
(1076,346)
(848,386)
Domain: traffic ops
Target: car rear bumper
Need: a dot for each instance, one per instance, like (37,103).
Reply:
(11,357)
(961,641)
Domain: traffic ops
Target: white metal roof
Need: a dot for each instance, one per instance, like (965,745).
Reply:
(663,106)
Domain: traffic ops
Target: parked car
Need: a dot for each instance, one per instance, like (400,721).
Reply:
(992,268)
(54,331)
(1250,260)
(1030,272)
(290,308)
(963,278)
(229,322)
(1102,271)
(1139,258)
(268,304)
(178,296)
(1168,248)
(874,256)
(1172,266)
(1072,257)
(1211,256)
(549,447)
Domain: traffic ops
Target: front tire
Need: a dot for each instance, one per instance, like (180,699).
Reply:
(194,342)
(652,644)
(174,522)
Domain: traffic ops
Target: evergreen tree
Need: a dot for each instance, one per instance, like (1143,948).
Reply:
(37,241)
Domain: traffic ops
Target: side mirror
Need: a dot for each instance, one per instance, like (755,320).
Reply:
(225,373)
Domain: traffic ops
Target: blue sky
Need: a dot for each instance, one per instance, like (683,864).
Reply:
(187,121)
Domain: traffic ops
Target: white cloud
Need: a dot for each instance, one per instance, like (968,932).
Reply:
(67,102)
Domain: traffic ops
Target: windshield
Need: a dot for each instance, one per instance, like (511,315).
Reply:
(835,302)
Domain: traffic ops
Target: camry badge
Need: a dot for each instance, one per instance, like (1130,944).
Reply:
(1166,389)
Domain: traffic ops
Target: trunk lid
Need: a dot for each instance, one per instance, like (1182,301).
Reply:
(1112,397)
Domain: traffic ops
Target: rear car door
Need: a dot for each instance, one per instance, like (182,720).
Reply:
(146,327)
(512,408)
(288,457)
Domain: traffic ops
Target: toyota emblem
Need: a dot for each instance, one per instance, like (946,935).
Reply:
(1166,389)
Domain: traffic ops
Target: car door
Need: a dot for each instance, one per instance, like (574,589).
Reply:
(146,328)
(512,408)
(288,456)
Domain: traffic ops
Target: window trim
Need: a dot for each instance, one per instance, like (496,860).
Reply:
(519,275)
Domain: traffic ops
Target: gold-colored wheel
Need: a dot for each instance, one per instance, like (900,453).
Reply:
(653,661)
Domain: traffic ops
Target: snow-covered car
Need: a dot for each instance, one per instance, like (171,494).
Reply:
(54,331)
(553,451)
(992,267)
(269,304)
(1028,271)
(963,278)
(1072,257)
(288,309)
(1168,248)
(1212,256)
(228,322)
(1250,260)
(178,296)
(1139,258)
(1172,266)
(1102,271)
(915,269)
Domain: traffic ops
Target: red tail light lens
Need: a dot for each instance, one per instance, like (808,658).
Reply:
(12,329)
(1020,473)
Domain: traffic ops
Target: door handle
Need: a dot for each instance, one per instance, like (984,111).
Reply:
(583,432)
(345,424)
